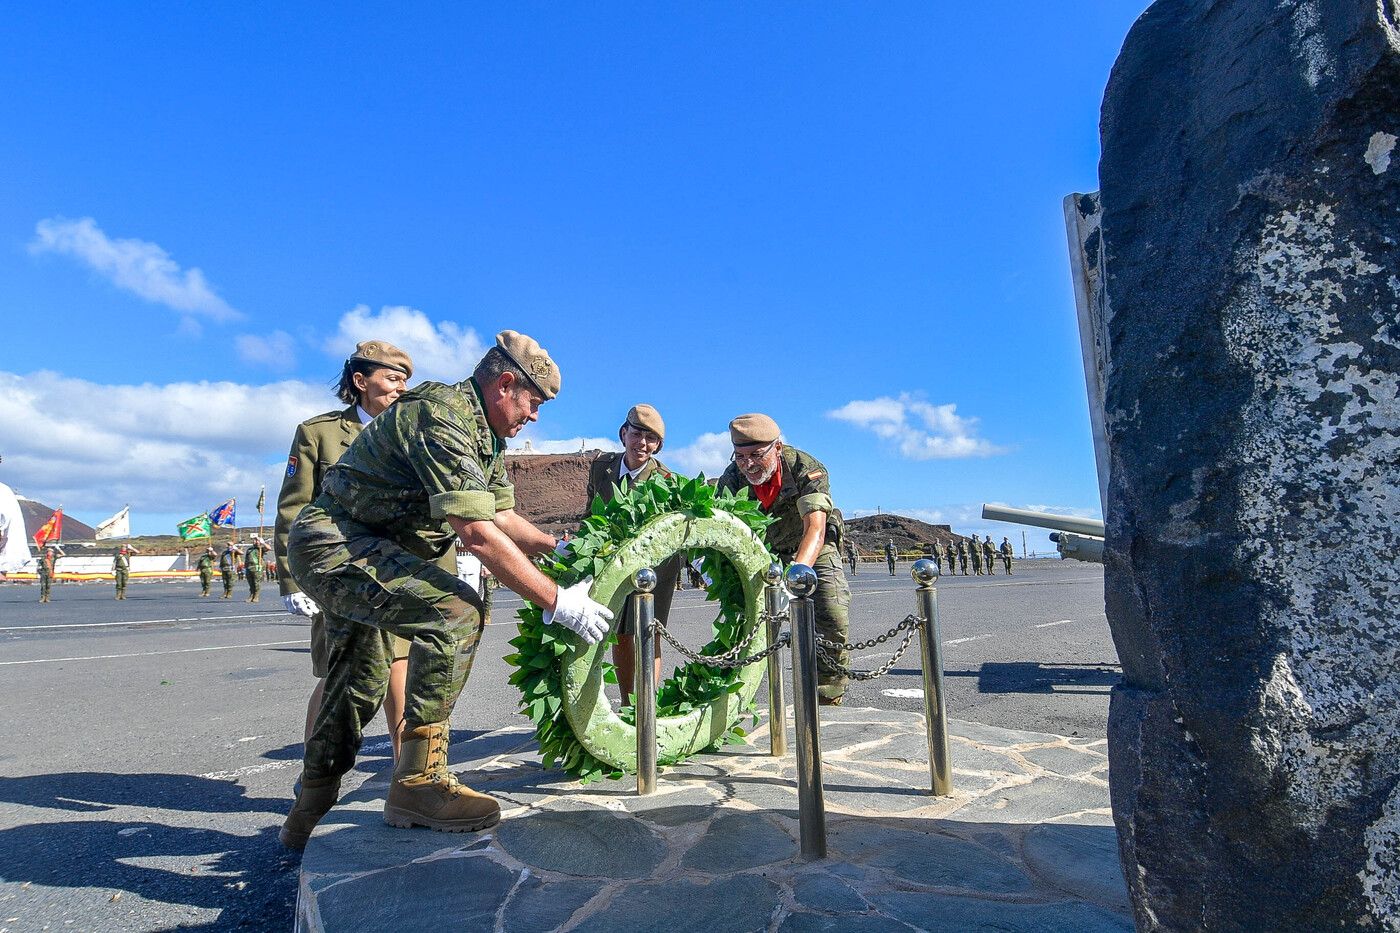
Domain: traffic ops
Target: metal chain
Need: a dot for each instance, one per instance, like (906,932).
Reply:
(880,671)
(730,659)
(910,622)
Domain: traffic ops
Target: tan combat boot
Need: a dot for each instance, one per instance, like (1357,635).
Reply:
(425,793)
(314,801)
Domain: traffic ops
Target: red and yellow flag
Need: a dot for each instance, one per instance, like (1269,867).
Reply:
(53,529)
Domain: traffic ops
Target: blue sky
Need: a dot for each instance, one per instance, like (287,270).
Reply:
(845,215)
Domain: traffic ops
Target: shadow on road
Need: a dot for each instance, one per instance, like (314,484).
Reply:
(1031,677)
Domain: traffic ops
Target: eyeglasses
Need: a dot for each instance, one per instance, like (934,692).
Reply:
(755,457)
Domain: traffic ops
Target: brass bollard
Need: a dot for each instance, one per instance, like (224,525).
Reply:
(777,709)
(931,654)
(644,678)
(811,807)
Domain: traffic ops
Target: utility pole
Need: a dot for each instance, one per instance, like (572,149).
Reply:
(1023,544)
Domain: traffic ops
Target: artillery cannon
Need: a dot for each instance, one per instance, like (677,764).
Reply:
(1079,538)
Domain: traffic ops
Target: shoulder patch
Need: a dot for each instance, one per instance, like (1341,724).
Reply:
(291,466)
(816,474)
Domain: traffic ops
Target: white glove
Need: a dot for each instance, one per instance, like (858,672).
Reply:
(574,610)
(299,604)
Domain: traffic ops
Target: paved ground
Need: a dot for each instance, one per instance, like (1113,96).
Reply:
(152,741)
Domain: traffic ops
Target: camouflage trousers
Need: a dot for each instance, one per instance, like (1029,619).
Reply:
(119,576)
(254,577)
(45,585)
(832,607)
(369,590)
(228,581)
(205,578)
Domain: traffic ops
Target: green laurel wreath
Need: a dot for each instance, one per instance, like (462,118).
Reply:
(540,648)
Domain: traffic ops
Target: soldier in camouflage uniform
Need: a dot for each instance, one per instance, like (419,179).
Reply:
(974,555)
(253,568)
(428,470)
(891,555)
(228,562)
(46,565)
(206,569)
(950,557)
(852,557)
(1007,552)
(962,556)
(989,555)
(792,486)
(121,568)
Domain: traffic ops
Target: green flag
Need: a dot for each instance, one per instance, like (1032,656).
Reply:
(262,498)
(193,528)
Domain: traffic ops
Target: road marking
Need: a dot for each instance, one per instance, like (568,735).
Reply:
(959,641)
(904,693)
(151,654)
(24,628)
(237,773)
(1061,622)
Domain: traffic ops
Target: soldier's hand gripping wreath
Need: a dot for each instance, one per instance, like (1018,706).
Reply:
(299,604)
(575,611)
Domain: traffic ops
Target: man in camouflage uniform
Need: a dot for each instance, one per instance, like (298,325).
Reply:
(950,557)
(253,567)
(792,486)
(206,569)
(121,568)
(933,555)
(891,555)
(428,470)
(962,555)
(974,555)
(1007,552)
(228,562)
(46,565)
(989,555)
(852,557)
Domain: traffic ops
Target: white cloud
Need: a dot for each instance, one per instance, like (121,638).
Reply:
(442,352)
(708,454)
(276,351)
(521,444)
(919,429)
(136,266)
(181,447)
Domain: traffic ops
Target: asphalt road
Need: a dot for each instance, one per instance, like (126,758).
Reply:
(153,741)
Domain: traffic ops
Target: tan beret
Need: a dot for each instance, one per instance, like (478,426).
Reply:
(532,359)
(646,418)
(753,428)
(383,354)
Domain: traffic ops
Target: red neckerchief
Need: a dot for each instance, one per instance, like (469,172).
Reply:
(767,493)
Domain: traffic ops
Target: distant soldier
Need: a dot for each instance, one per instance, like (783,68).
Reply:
(950,556)
(851,556)
(228,560)
(1006,554)
(933,556)
(121,568)
(962,555)
(989,555)
(47,564)
(890,555)
(206,569)
(974,555)
(253,567)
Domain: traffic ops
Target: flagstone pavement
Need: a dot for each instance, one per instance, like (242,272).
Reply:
(1026,842)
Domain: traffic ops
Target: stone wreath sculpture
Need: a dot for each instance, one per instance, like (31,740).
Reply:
(561,679)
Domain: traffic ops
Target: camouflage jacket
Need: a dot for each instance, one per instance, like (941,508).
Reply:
(227,560)
(253,559)
(206,562)
(119,560)
(806,488)
(431,455)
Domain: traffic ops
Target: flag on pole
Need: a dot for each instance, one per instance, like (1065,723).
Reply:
(262,499)
(118,526)
(192,529)
(225,514)
(52,530)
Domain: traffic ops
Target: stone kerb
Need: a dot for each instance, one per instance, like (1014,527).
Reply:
(1025,843)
